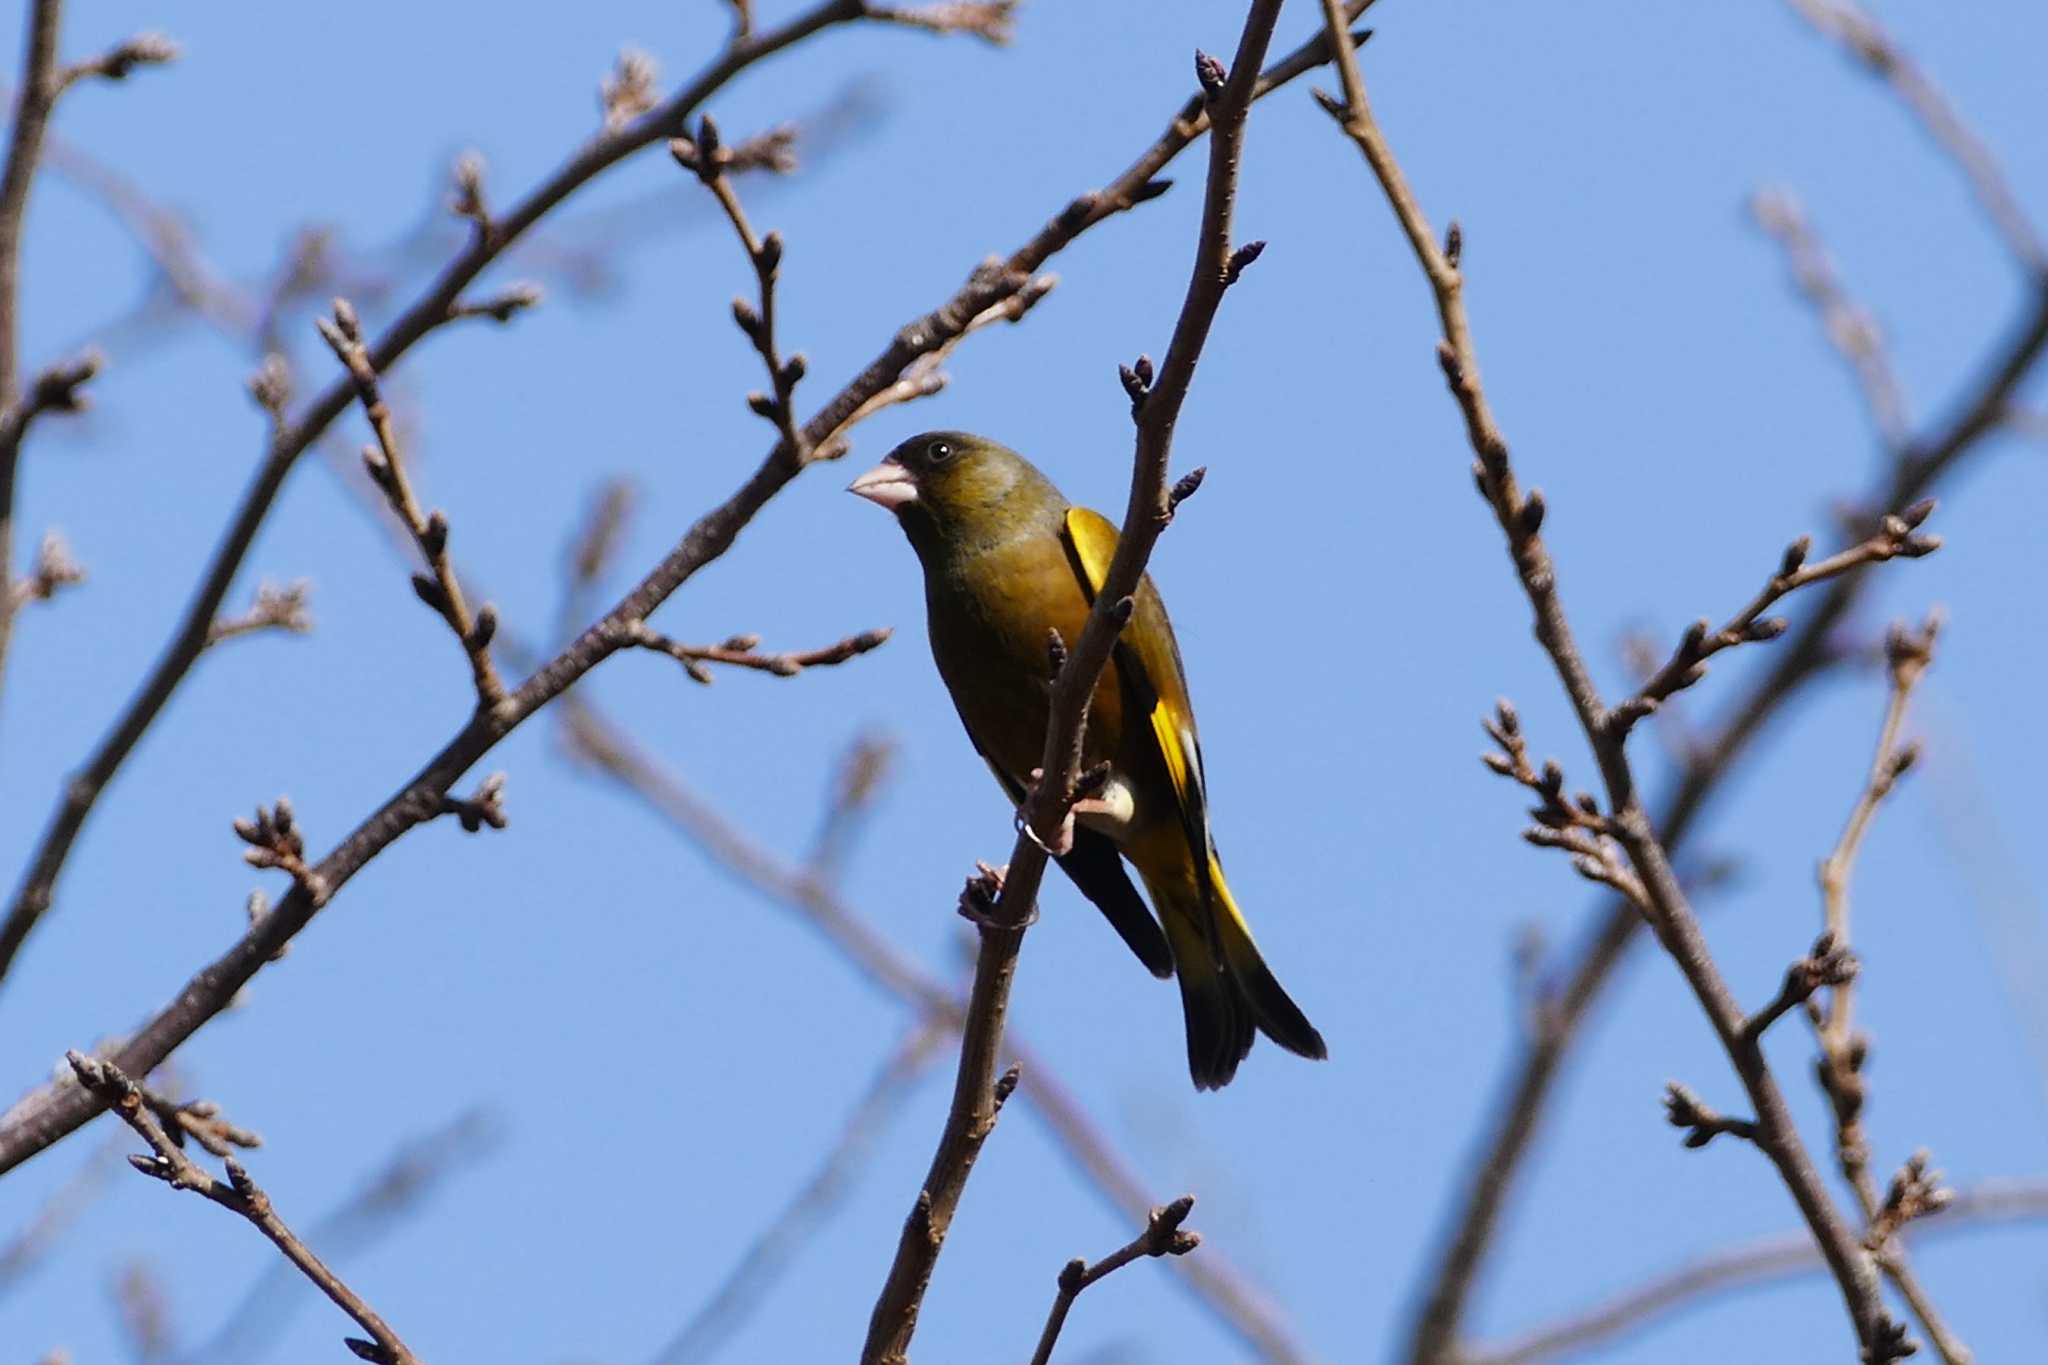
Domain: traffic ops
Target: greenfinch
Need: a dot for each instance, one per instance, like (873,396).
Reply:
(1007,560)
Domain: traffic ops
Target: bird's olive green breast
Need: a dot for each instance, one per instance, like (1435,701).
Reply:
(989,612)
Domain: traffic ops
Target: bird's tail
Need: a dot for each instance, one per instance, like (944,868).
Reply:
(1228,993)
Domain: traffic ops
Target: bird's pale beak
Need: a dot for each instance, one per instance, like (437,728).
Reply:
(888,485)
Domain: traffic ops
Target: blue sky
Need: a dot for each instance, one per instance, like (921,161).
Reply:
(667,1056)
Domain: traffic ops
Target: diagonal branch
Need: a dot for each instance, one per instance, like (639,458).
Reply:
(1003,904)
(1521,518)
(1162,1237)
(441,303)
(49,1113)
(442,592)
(1979,409)
(169,1163)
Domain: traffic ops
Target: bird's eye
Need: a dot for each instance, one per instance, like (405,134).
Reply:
(938,452)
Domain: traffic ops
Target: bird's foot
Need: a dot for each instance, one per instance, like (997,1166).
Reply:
(981,900)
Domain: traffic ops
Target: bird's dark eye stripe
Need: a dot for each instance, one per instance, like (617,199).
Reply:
(938,452)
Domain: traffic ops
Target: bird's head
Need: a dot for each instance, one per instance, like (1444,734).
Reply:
(952,490)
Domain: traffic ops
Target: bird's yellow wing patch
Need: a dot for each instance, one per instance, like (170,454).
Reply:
(1093,540)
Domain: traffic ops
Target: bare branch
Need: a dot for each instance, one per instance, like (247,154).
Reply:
(1521,518)
(1845,1050)
(275,608)
(240,1195)
(1848,326)
(1895,536)
(1214,1282)
(742,651)
(1162,1236)
(992,21)
(119,61)
(433,309)
(54,571)
(443,591)
(50,1113)
(1866,40)
(1048,808)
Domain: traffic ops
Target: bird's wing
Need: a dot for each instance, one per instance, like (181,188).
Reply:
(1148,661)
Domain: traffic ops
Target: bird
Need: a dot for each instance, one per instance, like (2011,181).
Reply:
(1007,560)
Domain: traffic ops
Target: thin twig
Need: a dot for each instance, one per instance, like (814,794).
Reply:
(240,1195)
(1521,517)
(433,309)
(1845,1051)
(49,1113)
(1163,1236)
(1979,409)
(743,651)
(1003,904)
(442,592)
(709,160)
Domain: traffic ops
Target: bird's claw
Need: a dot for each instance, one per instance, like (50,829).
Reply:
(982,895)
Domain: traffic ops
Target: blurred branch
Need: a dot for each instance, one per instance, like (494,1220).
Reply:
(241,1195)
(1664,902)
(1866,40)
(49,1113)
(713,1324)
(57,389)
(435,307)
(1848,326)
(1978,410)
(54,1217)
(1003,904)
(1162,1237)
(1767,1261)
(1216,1284)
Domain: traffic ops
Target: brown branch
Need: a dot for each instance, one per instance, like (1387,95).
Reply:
(1896,535)
(1214,1282)
(1723,1272)
(1845,1051)
(1521,518)
(434,308)
(992,21)
(1162,1236)
(1866,40)
(50,1113)
(814,1202)
(1979,410)
(275,608)
(443,591)
(709,160)
(240,1195)
(742,651)
(36,94)
(54,571)
(1003,904)
(1848,326)
(396,1189)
